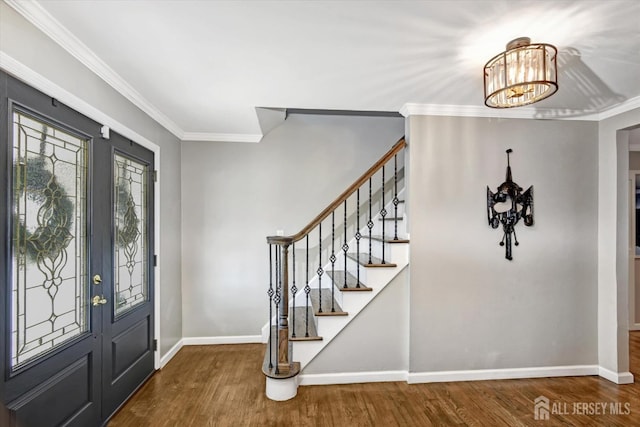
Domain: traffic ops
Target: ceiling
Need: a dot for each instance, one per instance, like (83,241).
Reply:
(202,68)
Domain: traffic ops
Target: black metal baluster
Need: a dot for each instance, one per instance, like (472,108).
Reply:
(294,291)
(307,289)
(270,293)
(395,195)
(370,223)
(358,237)
(345,247)
(320,270)
(276,300)
(383,214)
(333,259)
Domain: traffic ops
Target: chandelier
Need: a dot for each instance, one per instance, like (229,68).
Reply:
(523,74)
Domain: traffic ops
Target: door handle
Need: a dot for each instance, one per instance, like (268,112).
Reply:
(98,300)
(97,279)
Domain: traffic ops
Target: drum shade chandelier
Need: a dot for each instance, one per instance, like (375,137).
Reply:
(523,74)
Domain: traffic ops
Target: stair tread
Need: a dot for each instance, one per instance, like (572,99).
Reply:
(387,239)
(375,262)
(352,282)
(326,303)
(299,326)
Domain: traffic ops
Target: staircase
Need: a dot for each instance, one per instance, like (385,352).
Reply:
(323,276)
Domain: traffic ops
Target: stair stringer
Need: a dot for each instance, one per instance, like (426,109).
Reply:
(353,303)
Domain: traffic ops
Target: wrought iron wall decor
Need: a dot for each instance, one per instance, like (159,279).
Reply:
(507,206)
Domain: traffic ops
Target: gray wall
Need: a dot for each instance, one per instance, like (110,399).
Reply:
(470,307)
(376,340)
(25,43)
(234,195)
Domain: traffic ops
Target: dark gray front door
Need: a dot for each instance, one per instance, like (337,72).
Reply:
(76,323)
(127,270)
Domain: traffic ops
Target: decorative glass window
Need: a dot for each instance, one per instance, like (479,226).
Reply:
(130,234)
(49,238)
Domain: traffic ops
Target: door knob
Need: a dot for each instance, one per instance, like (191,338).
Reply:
(98,300)
(97,279)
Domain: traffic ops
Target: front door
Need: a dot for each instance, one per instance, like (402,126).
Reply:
(76,323)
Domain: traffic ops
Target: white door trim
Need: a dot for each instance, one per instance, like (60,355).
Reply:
(633,325)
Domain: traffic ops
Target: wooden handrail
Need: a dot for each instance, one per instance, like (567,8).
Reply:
(287,240)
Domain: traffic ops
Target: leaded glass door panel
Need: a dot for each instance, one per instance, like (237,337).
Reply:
(49,244)
(128,270)
(77,317)
(130,234)
(50,335)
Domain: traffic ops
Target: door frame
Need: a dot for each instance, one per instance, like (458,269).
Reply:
(39,82)
(633,324)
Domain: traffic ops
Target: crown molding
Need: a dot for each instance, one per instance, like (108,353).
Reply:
(43,84)
(414,109)
(221,137)
(33,12)
(627,105)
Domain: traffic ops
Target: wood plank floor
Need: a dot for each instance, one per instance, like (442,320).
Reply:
(223,386)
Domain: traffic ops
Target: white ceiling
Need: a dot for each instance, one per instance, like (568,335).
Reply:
(201,68)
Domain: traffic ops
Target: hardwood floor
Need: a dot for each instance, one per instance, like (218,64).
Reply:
(223,386)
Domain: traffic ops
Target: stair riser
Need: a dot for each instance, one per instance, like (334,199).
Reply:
(389,225)
(338,296)
(393,253)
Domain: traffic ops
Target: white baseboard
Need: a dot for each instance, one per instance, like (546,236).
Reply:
(352,378)
(451,376)
(615,377)
(635,327)
(501,374)
(240,339)
(172,352)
